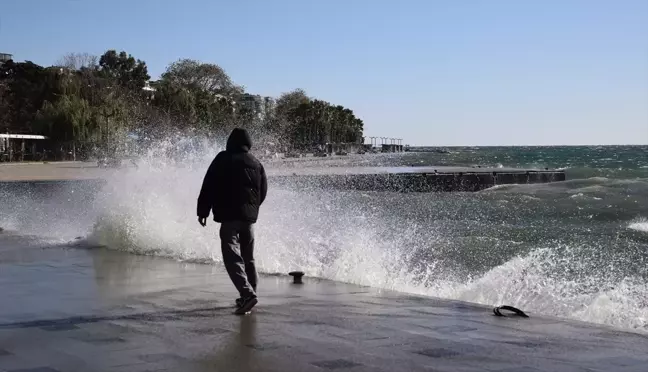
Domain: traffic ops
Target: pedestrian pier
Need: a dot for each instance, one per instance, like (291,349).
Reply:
(397,179)
(412,179)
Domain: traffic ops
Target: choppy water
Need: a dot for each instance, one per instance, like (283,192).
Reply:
(577,249)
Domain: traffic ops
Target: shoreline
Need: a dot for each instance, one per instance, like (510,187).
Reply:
(88,170)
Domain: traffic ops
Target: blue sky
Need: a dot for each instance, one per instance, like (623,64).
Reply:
(438,72)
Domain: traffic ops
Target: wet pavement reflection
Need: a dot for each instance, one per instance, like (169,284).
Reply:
(70,309)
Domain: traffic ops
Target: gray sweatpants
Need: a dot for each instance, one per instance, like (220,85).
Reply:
(237,244)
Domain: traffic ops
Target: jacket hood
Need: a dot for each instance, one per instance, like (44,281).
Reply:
(239,141)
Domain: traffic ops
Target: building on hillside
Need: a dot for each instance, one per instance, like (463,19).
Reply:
(268,106)
(4,57)
(149,90)
(257,105)
(249,102)
(147,87)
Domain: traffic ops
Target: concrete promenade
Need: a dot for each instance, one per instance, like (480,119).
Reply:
(78,309)
(59,171)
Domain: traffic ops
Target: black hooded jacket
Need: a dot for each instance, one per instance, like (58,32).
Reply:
(235,185)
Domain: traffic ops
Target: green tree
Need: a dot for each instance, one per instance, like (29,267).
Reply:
(5,107)
(318,122)
(94,103)
(112,120)
(199,76)
(200,95)
(175,100)
(27,86)
(281,123)
(67,119)
(78,61)
(289,101)
(124,68)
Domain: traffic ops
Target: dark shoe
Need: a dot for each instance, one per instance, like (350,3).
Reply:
(246,306)
(239,302)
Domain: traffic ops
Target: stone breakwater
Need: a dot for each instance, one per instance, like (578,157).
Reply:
(398,179)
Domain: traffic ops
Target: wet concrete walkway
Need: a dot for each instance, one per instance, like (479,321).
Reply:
(97,310)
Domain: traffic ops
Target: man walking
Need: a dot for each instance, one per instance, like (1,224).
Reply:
(234,188)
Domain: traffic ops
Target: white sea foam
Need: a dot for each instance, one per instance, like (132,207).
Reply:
(639,225)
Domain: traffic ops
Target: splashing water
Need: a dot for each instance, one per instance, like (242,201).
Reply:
(562,249)
(639,225)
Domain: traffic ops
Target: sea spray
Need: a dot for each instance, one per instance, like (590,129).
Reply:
(640,224)
(573,249)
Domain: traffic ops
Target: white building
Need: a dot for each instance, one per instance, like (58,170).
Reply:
(147,87)
(260,106)
(4,57)
(10,144)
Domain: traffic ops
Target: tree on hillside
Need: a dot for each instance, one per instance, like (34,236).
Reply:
(67,119)
(200,76)
(88,103)
(289,101)
(5,108)
(28,85)
(78,61)
(124,68)
(318,122)
(199,95)
(175,100)
(192,107)
(280,122)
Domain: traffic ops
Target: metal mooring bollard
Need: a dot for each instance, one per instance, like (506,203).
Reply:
(297,276)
